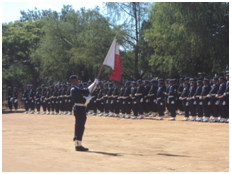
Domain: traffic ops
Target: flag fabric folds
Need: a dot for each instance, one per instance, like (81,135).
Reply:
(112,60)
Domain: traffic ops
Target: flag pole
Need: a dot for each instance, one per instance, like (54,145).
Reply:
(102,68)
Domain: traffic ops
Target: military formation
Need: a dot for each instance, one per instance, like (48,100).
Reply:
(205,100)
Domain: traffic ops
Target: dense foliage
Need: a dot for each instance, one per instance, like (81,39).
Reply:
(155,40)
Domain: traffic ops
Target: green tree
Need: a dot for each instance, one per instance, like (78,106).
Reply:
(188,38)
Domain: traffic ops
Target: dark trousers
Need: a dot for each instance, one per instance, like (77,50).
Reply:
(106,104)
(61,104)
(153,104)
(172,107)
(53,104)
(193,107)
(16,105)
(140,105)
(57,106)
(43,102)
(186,108)
(48,105)
(179,105)
(134,107)
(214,108)
(38,106)
(64,104)
(206,108)
(32,104)
(80,120)
(161,106)
(100,105)
(123,109)
(128,106)
(69,105)
(26,105)
(94,105)
(112,105)
(199,108)
(117,106)
(121,105)
(146,105)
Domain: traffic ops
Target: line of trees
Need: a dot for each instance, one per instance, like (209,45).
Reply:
(155,39)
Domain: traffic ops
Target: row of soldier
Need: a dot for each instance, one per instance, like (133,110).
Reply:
(139,99)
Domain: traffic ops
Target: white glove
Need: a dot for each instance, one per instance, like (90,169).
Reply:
(141,100)
(154,100)
(112,102)
(194,102)
(134,102)
(88,99)
(161,104)
(65,100)
(60,102)
(200,97)
(200,103)
(217,102)
(11,99)
(107,101)
(223,103)
(53,102)
(186,104)
(38,103)
(209,103)
(216,95)
(26,101)
(123,102)
(208,95)
(146,100)
(16,100)
(69,101)
(118,101)
(92,87)
(129,103)
(172,102)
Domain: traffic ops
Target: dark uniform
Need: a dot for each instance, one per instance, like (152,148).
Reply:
(37,100)
(205,91)
(185,102)
(160,99)
(110,98)
(152,98)
(212,100)
(147,107)
(80,115)
(105,100)
(48,101)
(64,97)
(121,99)
(100,103)
(199,104)
(10,98)
(60,99)
(179,102)
(69,102)
(25,98)
(43,101)
(222,101)
(52,99)
(192,101)
(140,98)
(15,99)
(115,104)
(31,99)
(226,99)
(172,96)
(55,98)
(133,100)
(127,101)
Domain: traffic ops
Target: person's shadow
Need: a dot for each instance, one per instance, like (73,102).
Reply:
(106,153)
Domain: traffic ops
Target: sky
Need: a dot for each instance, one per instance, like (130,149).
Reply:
(11,10)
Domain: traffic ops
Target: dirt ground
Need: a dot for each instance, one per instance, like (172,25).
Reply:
(43,143)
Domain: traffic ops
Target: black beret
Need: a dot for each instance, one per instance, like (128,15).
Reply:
(227,74)
(199,81)
(186,78)
(221,77)
(215,78)
(206,79)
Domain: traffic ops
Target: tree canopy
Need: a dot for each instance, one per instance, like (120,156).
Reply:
(155,39)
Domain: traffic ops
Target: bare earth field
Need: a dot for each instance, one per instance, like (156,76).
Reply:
(43,143)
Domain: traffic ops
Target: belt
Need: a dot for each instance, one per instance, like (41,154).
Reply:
(137,94)
(79,104)
(108,96)
(170,96)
